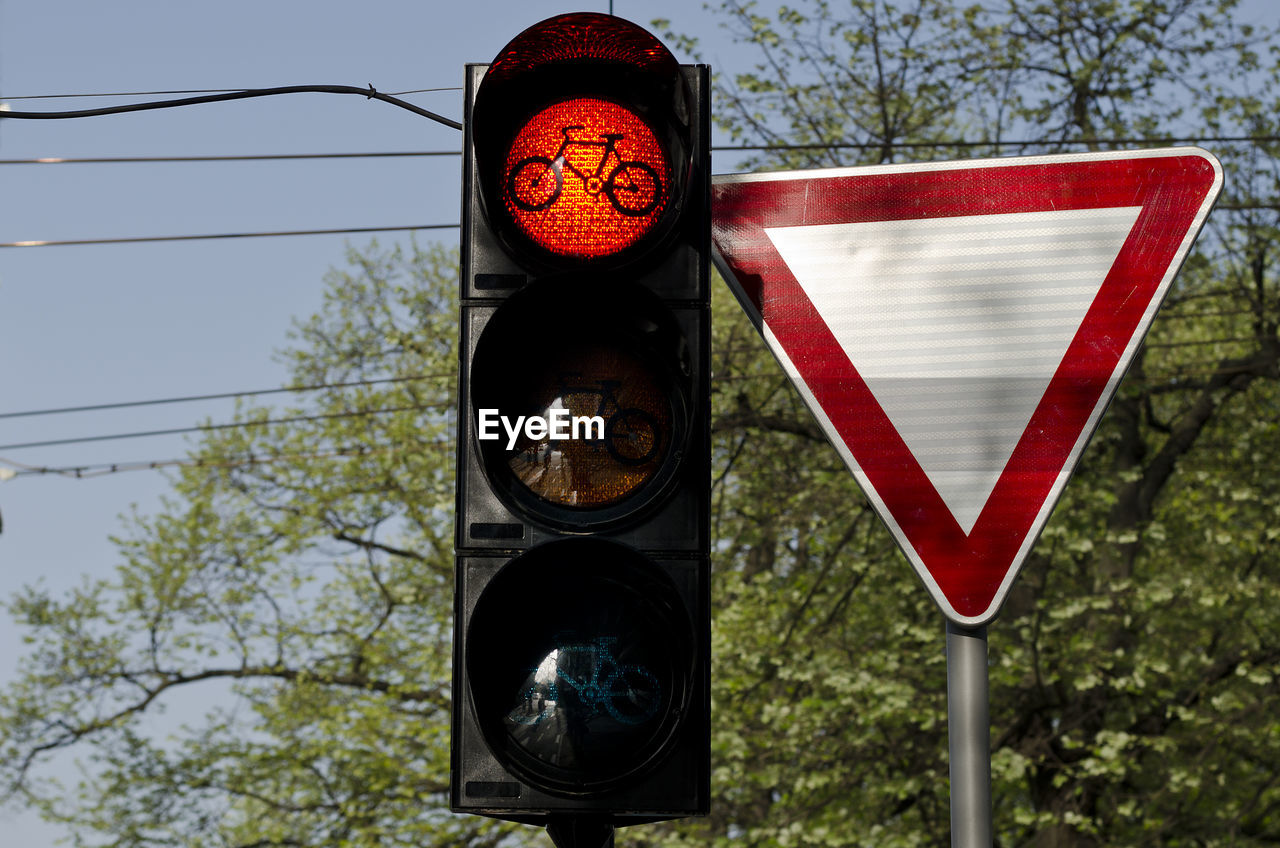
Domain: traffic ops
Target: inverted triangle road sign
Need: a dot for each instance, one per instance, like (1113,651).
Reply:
(958,328)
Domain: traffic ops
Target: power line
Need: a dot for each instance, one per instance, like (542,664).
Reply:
(1225,207)
(218,396)
(895,145)
(98,407)
(253,157)
(191,91)
(81,472)
(212,236)
(102,160)
(229,93)
(370,93)
(121,94)
(206,428)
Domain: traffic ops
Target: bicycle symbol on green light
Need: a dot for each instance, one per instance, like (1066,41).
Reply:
(633,188)
(588,672)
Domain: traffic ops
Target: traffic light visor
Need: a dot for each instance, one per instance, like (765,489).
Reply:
(582,37)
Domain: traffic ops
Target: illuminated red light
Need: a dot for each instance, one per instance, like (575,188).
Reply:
(586,178)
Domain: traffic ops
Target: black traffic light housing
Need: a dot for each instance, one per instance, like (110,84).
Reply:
(581,652)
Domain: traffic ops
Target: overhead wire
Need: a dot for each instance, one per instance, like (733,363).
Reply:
(251,157)
(369,93)
(19,469)
(97,407)
(1224,207)
(723,148)
(895,145)
(190,91)
(208,428)
(135,240)
(218,95)
(98,469)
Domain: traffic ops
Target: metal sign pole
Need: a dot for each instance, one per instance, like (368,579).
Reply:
(969,736)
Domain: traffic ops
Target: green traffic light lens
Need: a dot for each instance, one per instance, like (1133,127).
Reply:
(587,681)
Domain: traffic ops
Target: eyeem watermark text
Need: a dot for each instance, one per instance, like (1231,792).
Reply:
(558,425)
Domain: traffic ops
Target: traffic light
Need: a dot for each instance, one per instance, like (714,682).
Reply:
(581,649)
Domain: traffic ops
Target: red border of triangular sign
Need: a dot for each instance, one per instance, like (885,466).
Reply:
(967,575)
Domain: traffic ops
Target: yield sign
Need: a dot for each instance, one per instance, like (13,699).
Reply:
(958,328)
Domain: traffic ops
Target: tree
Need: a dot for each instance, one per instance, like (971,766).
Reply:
(1136,666)
(301,578)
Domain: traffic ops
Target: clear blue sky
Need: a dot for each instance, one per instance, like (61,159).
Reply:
(102,324)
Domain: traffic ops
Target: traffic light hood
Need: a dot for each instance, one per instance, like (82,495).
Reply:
(582,37)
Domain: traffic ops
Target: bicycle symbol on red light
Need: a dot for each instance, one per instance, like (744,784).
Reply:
(633,188)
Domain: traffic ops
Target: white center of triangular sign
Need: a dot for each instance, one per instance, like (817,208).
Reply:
(957,325)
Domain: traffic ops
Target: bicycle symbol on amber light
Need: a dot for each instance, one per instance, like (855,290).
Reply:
(632,187)
(632,436)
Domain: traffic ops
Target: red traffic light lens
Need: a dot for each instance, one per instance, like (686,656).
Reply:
(581,139)
(586,178)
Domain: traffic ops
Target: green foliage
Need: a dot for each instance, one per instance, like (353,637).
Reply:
(300,575)
(1136,667)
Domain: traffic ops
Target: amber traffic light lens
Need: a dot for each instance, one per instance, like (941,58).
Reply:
(619,420)
(579,401)
(586,178)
